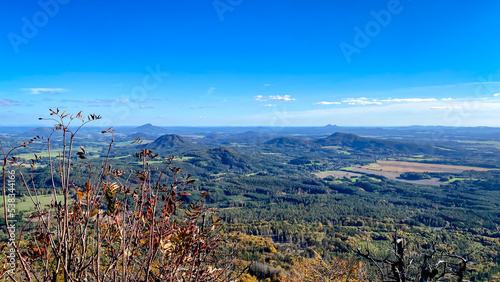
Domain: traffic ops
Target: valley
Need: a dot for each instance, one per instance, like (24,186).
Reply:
(321,189)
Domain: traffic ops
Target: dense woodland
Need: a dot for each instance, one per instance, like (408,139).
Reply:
(264,183)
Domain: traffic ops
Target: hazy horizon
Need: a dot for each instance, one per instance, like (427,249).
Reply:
(99,126)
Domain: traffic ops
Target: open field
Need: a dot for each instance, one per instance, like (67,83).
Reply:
(482,144)
(399,166)
(29,156)
(25,204)
(55,153)
(184,159)
(393,169)
(394,175)
(337,174)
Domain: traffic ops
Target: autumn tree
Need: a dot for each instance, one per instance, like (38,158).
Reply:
(117,225)
(318,269)
(404,264)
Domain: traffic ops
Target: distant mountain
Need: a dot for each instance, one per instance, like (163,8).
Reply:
(290,142)
(15,129)
(330,126)
(374,145)
(142,135)
(148,129)
(250,134)
(169,141)
(252,137)
(40,131)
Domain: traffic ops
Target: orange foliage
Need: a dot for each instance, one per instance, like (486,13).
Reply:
(317,269)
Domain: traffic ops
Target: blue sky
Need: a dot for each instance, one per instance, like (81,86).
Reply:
(252,62)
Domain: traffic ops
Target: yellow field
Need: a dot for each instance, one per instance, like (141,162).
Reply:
(399,166)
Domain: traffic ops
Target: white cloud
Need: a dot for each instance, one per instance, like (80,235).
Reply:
(37,91)
(89,102)
(267,84)
(260,98)
(99,101)
(282,98)
(365,101)
(210,91)
(273,98)
(410,100)
(395,114)
(441,108)
(268,105)
(444,108)
(327,103)
(496,94)
(360,101)
(8,102)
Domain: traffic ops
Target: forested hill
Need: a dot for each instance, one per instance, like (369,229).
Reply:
(288,142)
(359,143)
(148,129)
(169,141)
